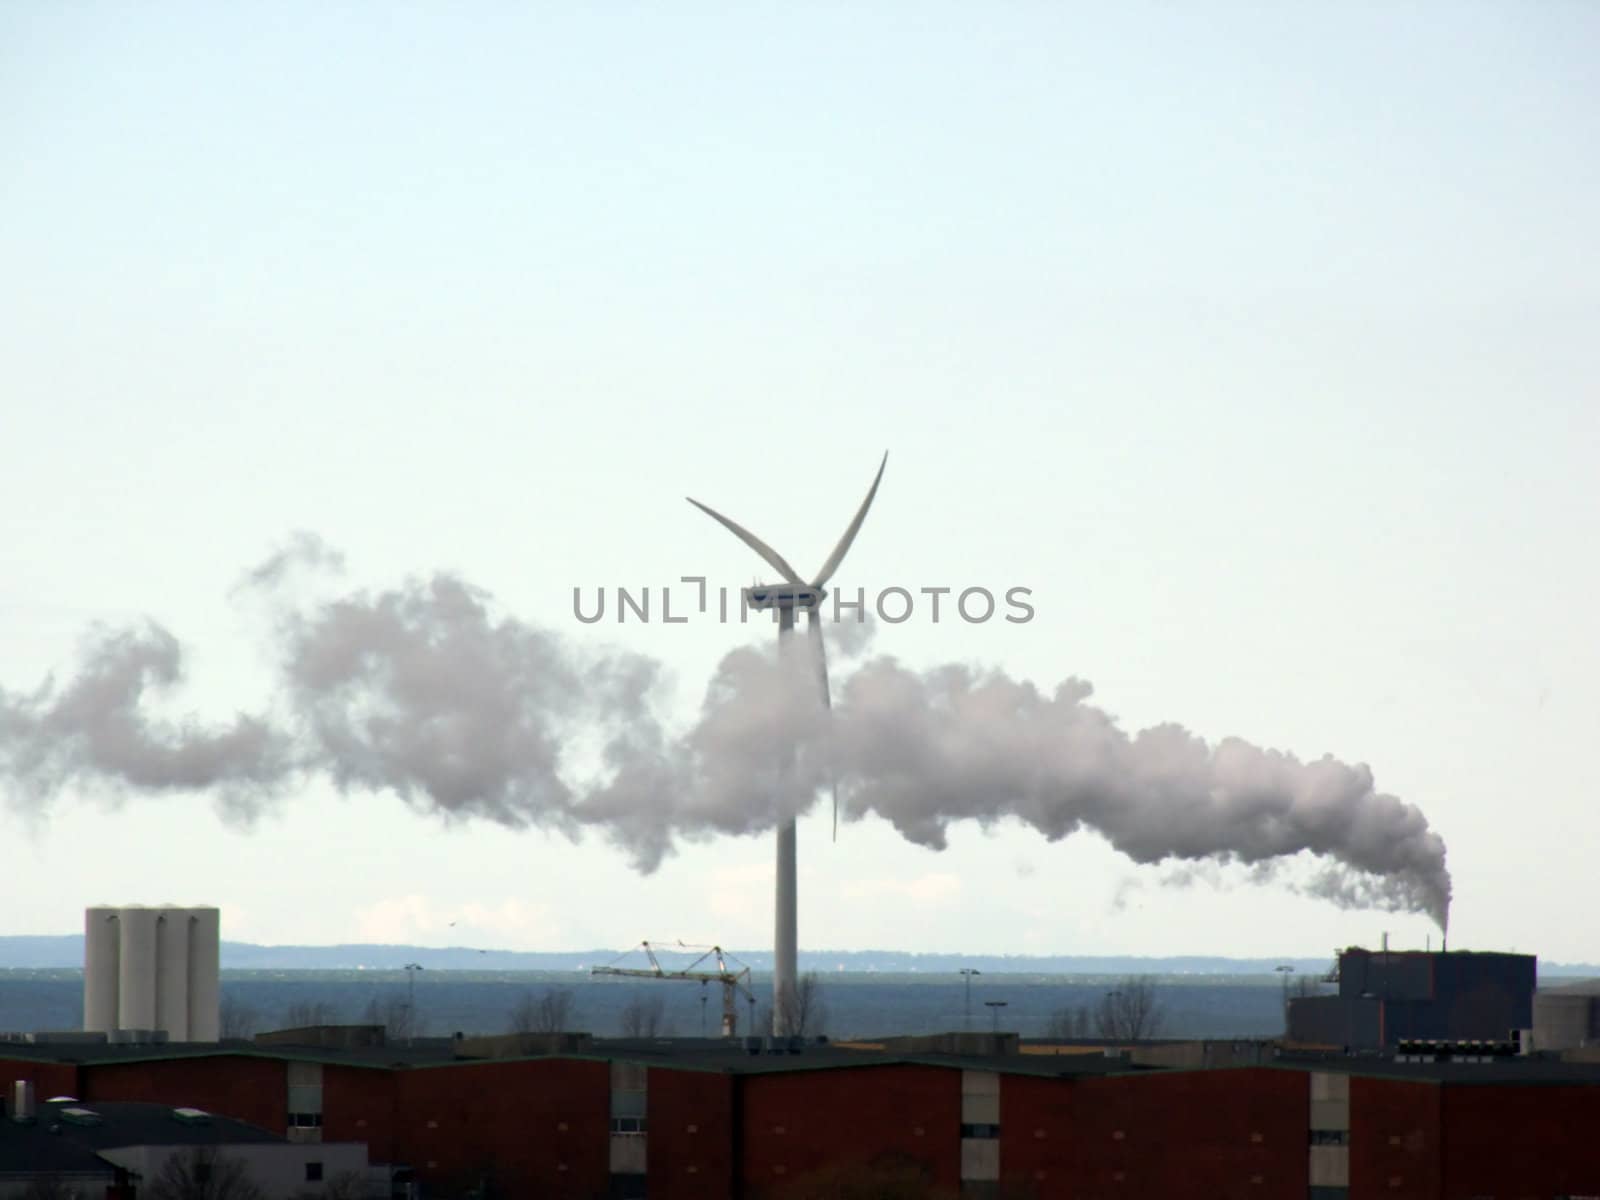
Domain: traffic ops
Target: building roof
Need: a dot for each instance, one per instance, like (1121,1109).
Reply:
(131,1123)
(31,1149)
(719,1057)
(689,1054)
(65,1136)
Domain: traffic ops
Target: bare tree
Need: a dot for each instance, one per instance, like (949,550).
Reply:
(808,1011)
(394,1014)
(1068,1022)
(1131,1011)
(200,1173)
(644,1015)
(235,1018)
(549,1011)
(309,1012)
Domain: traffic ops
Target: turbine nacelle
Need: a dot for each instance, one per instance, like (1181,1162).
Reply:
(804,598)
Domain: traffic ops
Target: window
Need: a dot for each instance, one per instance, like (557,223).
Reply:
(303,1120)
(628,1125)
(980,1131)
(313,1172)
(1330,1137)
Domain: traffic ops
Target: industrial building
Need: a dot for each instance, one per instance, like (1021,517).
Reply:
(152,974)
(1386,997)
(114,1150)
(700,1120)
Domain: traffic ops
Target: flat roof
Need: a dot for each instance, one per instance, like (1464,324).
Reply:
(711,1055)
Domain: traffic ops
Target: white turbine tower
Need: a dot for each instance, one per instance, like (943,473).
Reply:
(794,593)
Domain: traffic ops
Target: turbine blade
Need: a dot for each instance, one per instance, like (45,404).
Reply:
(843,548)
(819,658)
(790,575)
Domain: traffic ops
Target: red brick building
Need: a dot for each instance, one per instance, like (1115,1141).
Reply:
(699,1121)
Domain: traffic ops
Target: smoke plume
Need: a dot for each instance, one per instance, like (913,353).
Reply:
(94,734)
(424,690)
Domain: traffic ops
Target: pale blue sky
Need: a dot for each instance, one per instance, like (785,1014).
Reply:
(1256,339)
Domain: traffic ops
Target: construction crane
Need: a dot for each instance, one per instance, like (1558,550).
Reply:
(735,983)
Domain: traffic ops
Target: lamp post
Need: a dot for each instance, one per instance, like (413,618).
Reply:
(994,1007)
(411,970)
(966,1020)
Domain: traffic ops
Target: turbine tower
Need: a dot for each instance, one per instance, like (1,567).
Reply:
(794,593)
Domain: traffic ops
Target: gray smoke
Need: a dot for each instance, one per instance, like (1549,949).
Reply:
(923,749)
(94,733)
(425,691)
(422,691)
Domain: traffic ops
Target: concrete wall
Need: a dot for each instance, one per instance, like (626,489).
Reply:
(278,1169)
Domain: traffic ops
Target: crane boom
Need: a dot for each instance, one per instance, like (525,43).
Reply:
(734,982)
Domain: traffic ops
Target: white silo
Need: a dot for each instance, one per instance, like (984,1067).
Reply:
(172,972)
(102,931)
(205,996)
(136,969)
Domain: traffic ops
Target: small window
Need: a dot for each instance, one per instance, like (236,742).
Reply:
(304,1120)
(980,1131)
(313,1172)
(1330,1137)
(632,1125)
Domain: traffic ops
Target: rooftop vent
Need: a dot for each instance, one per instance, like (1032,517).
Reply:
(80,1116)
(192,1116)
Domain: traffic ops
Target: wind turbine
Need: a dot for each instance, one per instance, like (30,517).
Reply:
(794,593)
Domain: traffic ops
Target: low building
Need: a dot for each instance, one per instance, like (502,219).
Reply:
(661,1119)
(1386,997)
(115,1149)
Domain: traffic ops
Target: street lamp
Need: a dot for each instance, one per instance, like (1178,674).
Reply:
(994,1007)
(411,970)
(966,1022)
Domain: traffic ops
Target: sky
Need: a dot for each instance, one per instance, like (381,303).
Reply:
(1255,340)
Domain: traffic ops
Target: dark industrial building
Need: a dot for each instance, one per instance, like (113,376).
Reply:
(701,1120)
(1386,997)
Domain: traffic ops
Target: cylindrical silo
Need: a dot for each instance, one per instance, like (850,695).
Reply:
(205,997)
(136,969)
(172,973)
(101,931)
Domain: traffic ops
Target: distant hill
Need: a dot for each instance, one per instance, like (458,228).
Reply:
(66,951)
